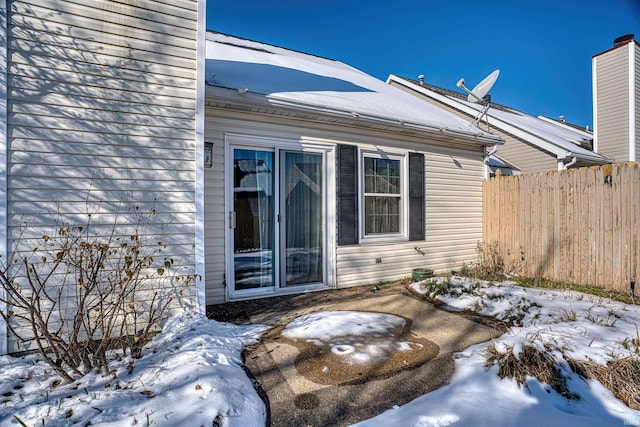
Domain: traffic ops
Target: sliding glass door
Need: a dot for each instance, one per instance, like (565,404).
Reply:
(302,205)
(277,221)
(252,219)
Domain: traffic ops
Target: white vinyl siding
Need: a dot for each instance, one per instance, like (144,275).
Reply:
(453,202)
(102,107)
(612,110)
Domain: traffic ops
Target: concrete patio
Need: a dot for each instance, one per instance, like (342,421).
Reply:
(294,400)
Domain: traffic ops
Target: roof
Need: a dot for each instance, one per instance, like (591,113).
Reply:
(588,133)
(558,139)
(496,161)
(252,73)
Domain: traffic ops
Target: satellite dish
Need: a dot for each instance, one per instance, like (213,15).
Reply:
(480,93)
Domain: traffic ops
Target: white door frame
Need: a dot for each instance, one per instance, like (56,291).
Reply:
(281,144)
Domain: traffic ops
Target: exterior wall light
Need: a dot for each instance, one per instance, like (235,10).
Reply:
(208,154)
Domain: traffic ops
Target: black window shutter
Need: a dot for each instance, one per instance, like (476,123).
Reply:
(416,196)
(347,171)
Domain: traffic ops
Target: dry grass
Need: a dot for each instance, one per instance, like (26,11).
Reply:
(491,263)
(621,377)
(531,362)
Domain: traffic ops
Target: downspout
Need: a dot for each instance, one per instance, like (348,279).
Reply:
(486,160)
(571,163)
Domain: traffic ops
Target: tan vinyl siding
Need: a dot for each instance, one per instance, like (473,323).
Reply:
(453,224)
(612,86)
(453,200)
(517,152)
(214,226)
(101,115)
(525,156)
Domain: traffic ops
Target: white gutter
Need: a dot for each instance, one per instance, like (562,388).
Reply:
(545,145)
(3,164)
(352,117)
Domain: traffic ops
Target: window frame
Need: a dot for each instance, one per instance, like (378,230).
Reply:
(403,158)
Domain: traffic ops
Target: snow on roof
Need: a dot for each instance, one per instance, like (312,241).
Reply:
(321,84)
(565,138)
(562,141)
(585,132)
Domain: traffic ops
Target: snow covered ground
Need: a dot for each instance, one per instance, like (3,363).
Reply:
(191,374)
(580,326)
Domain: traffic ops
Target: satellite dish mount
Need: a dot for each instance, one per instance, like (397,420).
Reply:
(480,94)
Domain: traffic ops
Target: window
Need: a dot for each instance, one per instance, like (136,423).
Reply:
(380,195)
(383,200)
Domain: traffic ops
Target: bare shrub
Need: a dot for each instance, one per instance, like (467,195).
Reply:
(530,362)
(491,264)
(84,290)
(621,377)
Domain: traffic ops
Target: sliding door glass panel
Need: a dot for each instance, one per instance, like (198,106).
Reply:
(253,206)
(302,201)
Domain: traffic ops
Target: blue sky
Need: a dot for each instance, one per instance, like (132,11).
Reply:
(543,48)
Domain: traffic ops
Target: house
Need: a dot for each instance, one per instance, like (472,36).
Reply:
(102,103)
(616,100)
(325,177)
(532,144)
(269,171)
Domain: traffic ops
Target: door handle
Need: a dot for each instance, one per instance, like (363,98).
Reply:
(232,220)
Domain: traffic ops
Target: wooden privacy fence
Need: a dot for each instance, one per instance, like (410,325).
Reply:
(579,226)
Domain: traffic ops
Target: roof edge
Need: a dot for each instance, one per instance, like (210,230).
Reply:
(588,135)
(213,32)
(559,152)
(351,118)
